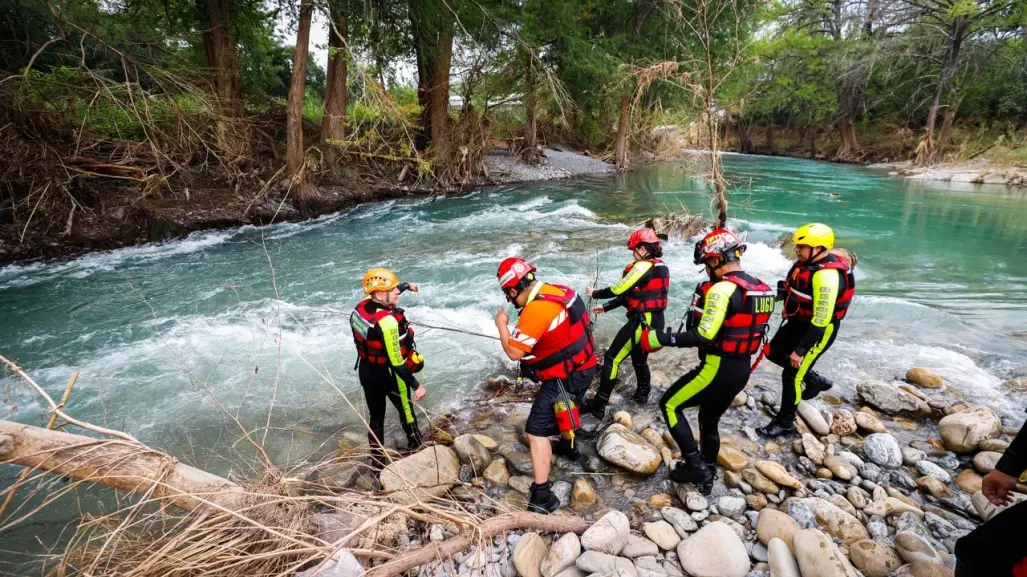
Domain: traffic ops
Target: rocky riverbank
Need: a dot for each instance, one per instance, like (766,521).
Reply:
(123,218)
(881,481)
(970,172)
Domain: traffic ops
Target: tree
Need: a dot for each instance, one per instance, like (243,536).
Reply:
(295,163)
(333,127)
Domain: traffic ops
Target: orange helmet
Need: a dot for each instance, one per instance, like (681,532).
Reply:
(379,279)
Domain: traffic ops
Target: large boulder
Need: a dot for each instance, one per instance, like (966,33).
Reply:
(472,452)
(963,431)
(814,418)
(626,448)
(883,450)
(529,554)
(837,522)
(818,556)
(892,400)
(428,473)
(781,560)
(607,535)
(714,551)
(773,524)
(562,555)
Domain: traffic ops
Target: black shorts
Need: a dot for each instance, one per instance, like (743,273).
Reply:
(541,421)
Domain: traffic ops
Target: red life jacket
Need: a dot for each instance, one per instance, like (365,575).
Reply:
(799,299)
(743,330)
(370,346)
(566,346)
(652,295)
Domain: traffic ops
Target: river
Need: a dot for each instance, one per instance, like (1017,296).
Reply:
(172,338)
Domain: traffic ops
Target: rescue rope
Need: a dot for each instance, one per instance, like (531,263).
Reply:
(453,329)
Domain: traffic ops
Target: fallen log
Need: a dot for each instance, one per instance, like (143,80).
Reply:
(489,528)
(117,464)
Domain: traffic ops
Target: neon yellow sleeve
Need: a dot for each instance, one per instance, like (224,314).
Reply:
(825,293)
(634,275)
(715,310)
(390,333)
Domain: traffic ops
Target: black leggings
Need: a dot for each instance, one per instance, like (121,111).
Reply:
(626,344)
(995,547)
(380,383)
(711,386)
(782,346)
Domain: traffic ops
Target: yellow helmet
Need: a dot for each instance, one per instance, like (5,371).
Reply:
(379,279)
(814,234)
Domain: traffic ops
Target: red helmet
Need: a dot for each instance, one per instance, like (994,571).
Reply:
(719,242)
(512,270)
(643,235)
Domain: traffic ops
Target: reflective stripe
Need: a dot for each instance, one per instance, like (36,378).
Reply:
(807,361)
(404,397)
(709,371)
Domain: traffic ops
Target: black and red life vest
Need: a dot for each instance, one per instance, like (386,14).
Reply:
(650,296)
(368,337)
(799,298)
(566,346)
(743,330)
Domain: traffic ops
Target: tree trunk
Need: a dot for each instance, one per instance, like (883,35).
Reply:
(232,134)
(771,145)
(530,110)
(745,144)
(812,141)
(294,151)
(333,127)
(440,95)
(948,70)
(115,463)
(943,136)
(620,148)
(848,145)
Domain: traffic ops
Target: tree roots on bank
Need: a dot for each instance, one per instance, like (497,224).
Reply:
(173,519)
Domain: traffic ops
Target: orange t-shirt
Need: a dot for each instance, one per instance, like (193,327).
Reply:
(536,318)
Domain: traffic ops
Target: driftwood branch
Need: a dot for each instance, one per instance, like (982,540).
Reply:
(494,526)
(116,464)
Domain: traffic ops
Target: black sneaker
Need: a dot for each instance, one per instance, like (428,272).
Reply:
(694,472)
(776,428)
(641,397)
(541,499)
(563,448)
(595,407)
(815,384)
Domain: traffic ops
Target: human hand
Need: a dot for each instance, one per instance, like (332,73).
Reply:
(420,393)
(589,291)
(996,486)
(598,309)
(413,287)
(502,319)
(795,360)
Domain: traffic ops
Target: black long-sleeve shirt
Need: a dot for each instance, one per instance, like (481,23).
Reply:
(1014,459)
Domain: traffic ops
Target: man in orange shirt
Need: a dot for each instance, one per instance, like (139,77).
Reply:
(553,336)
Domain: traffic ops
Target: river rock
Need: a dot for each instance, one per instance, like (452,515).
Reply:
(603,563)
(528,555)
(623,418)
(756,501)
(471,451)
(519,461)
(843,423)
(911,456)
(777,473)
(924,378)
(883,449)
(985,461)
(626,448)
(682,522)
(425,474)
(892,506)
(561,555)
(583,495)
(837,522)
(814,418)
(714,551)
(818,556)
(773,524)
(607,535)
(781,560)
(840,467)
(842,503)
(639,547)
(986,510)
(653,438)
(997,445)
(969,481)
(730,506)
(660,500)
(963,431)
(695,501)
(759,481)
(869,422)
(915,549)
(663,534)
(873,558)
(731,458)
(891,400)
(933,487)
(496,473)
(521,483)
(651,567)
(857,497)
(1015,384)
(813,448)
(486,441)
(802,513)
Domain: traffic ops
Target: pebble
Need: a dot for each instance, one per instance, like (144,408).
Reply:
(869,422)
(911,456)
(840,467)
(756,501)
(802,513)
(681,521)
(883,450)
(969,481)
(758,551)
(925,467)
(782,561)
(874,558)
(933,487)
(731,506)
(814,418)
(985,461)
(561,555)
(528,555)
(596,562)
(662,534)
(640,547)
(915,549)
(878,528)
(607,535)
(695,501)
(777,473)
(814,449)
